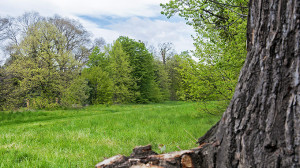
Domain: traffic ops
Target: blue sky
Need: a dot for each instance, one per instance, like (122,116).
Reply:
(109,19)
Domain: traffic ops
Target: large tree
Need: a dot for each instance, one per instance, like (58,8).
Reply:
(14,29)
(98,76)
(220,42)
(141,61)
(77,37)
(120,73)
(261,126)
(40,66)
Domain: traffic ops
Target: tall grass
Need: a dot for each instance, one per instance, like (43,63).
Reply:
(83,137)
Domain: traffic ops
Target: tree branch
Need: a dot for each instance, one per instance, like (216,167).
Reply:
(223,4)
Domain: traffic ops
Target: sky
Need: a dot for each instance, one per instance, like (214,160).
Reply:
(109,19)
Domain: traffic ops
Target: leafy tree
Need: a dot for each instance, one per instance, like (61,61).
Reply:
(220,16)
(142,72)
(120,73)
(77,37)
(13,30)
(98,77)
(162,79)
(100,83)
(45,57)
(77,93)
(164,49)
(41,65)
(220,46)
(166,67)
(175,78)
(98,58)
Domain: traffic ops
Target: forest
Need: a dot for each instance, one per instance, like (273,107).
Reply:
(54,62)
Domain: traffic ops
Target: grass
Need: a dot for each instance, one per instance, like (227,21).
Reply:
(84,137)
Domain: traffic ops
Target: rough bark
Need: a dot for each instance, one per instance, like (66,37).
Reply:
(261,126)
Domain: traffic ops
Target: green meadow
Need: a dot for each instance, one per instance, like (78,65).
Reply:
(84,137)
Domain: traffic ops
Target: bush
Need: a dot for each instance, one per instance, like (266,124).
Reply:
(77,93)
(43,103)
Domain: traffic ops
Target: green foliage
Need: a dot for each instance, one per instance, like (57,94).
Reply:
(98,58)
(162,79)
(77,93)
(42,103)
(220,48)
(175,78)
(125,72)
(120,73)
(142,63)
(48,68)
(210,16)
(44,68)
(100,83)
(41,67)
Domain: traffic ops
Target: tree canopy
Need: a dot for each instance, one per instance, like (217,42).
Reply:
(50,58)
(220,40)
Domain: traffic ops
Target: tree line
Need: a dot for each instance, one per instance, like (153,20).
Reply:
(53,62)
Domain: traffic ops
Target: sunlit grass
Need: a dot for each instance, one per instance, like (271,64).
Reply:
(83,137)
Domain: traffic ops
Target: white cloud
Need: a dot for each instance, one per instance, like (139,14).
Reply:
(108,34)
(18,7)
(112,7)
(132,18)
(157,31)
(122,8)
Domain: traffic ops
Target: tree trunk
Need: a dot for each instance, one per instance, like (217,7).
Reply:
(261,126)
